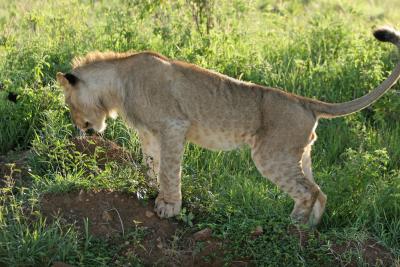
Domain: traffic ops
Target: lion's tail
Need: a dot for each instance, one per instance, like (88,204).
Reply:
(331,110)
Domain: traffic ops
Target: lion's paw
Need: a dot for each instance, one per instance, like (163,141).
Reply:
(167,209)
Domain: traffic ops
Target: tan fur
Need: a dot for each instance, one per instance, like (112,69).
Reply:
(171,102)
(96,56)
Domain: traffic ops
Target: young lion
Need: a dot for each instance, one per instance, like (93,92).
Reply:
(169,102)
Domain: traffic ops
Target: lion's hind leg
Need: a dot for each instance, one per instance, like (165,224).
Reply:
(319,206)
(282,166)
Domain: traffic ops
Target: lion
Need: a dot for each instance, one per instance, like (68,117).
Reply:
(170,102)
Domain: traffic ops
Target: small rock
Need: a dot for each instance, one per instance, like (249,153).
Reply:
(149,214)
(80,196)
(202,234)
(257,231)
(106,216)
(159,243)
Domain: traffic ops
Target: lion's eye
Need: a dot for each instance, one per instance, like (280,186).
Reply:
(87,124)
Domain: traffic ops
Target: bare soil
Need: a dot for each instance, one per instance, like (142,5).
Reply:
(167,242)
(111,214)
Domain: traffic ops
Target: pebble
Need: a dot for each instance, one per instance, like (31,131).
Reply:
(202,234)
(106,216)
(149,214)
(159,243)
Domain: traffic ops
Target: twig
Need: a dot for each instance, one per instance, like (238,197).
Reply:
(120,220)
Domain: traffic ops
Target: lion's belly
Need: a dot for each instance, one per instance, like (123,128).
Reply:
(216,139)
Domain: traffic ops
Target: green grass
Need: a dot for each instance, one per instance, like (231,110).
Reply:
(320,49)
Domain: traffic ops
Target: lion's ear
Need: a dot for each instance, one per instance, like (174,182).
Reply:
(67,80)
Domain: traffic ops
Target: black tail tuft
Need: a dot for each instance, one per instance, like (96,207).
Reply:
(387,34)
(12,97)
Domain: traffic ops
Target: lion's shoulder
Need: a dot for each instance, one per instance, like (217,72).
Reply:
(97,56)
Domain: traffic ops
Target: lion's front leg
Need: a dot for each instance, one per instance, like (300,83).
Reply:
(172,141)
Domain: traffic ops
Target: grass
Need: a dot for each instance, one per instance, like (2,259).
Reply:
(320,49)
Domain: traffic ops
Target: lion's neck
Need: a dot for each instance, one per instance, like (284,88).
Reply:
(110,96)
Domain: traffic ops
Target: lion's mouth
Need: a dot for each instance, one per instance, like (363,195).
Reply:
(90,131)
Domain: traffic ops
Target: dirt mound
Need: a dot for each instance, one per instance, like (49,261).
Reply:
(112,213)
(109,151)
(108,213)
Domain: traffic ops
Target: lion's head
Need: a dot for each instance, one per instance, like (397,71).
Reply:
(87,109)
